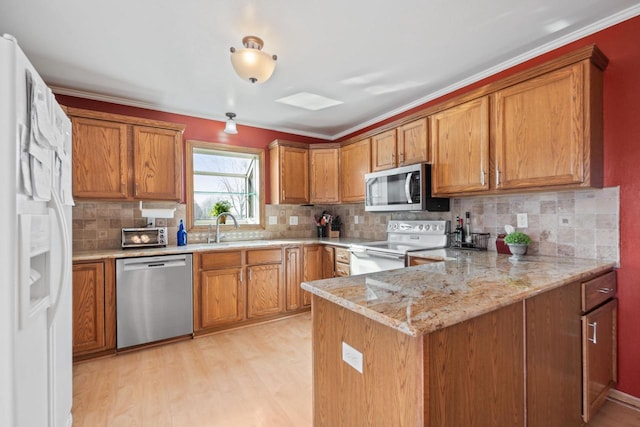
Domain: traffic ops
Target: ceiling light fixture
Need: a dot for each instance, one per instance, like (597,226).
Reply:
(251,63)
(230,126)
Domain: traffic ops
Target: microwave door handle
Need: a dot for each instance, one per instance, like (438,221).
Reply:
(407,187)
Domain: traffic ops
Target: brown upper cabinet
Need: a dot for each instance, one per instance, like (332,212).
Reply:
(121,157)
(289,171)
(324,173)
(355,162)
(412,143)
(460,145)
(404,145)
(100,159)
(540,129)
(383,150)
(157,163)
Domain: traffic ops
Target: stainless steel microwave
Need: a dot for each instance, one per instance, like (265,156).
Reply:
(407,188)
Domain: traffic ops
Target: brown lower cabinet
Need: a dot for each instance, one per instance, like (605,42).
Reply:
(312,261)
(94,321)
(238,287)
(335,262)
(518,365)
(599,341)
(293,277)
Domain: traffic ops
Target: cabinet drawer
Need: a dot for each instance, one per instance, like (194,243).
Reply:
(342,270)
(264,256)
(343,255)
(213,260)
(598,290)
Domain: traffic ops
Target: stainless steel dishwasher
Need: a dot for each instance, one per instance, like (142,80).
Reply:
(154,299)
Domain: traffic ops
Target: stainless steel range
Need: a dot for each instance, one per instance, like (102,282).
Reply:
(402,237)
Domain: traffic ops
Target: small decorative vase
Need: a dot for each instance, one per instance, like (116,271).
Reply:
(222,219)
(517,251)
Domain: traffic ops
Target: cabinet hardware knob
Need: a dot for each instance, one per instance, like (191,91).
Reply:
(594,325)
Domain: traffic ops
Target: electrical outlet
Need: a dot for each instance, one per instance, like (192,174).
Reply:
(352,357)
(523,222)
(355,219)
(293,220)
(273,220)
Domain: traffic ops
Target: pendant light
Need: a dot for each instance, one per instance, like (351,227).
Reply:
(252,63)
(230,126)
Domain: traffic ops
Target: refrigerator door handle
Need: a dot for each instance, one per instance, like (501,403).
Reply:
(58,208)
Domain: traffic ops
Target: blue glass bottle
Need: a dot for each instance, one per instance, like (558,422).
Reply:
(182,235)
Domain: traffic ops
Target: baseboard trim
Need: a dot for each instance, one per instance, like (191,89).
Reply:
(624,398)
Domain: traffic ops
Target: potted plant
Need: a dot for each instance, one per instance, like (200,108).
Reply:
(220,207)
(518,243)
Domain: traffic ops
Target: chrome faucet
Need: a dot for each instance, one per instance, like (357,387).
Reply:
(218,235)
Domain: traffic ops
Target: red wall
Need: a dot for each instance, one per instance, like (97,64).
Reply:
(196,128)
(622,163)
(621,44)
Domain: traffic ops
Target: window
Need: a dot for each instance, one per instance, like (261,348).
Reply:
(224,173)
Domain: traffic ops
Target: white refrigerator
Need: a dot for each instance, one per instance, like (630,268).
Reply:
(35,253)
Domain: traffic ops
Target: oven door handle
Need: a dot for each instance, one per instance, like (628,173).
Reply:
(376,254)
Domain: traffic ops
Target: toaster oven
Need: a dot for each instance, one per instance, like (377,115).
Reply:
(147,237)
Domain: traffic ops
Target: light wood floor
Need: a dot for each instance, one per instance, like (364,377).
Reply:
(259,376)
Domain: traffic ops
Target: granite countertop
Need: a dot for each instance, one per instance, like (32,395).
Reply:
(202,247)
(460,285)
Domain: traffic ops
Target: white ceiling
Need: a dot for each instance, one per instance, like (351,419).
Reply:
(378,57)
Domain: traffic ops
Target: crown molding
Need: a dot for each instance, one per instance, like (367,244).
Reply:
(533,53)
(61,90)
(548,47)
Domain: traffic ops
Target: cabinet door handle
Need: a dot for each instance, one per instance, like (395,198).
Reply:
(250,275)
(136,190)
(605,290)
(594,325)
(497,177)
(123,188)
(240,276)
(482,174)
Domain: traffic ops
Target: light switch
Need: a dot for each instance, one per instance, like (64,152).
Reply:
(293,220)
(273,220)
(352,357)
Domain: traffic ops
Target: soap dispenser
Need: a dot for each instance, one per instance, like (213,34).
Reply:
(182,235)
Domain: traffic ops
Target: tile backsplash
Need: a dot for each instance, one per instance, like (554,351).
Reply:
(581,223)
